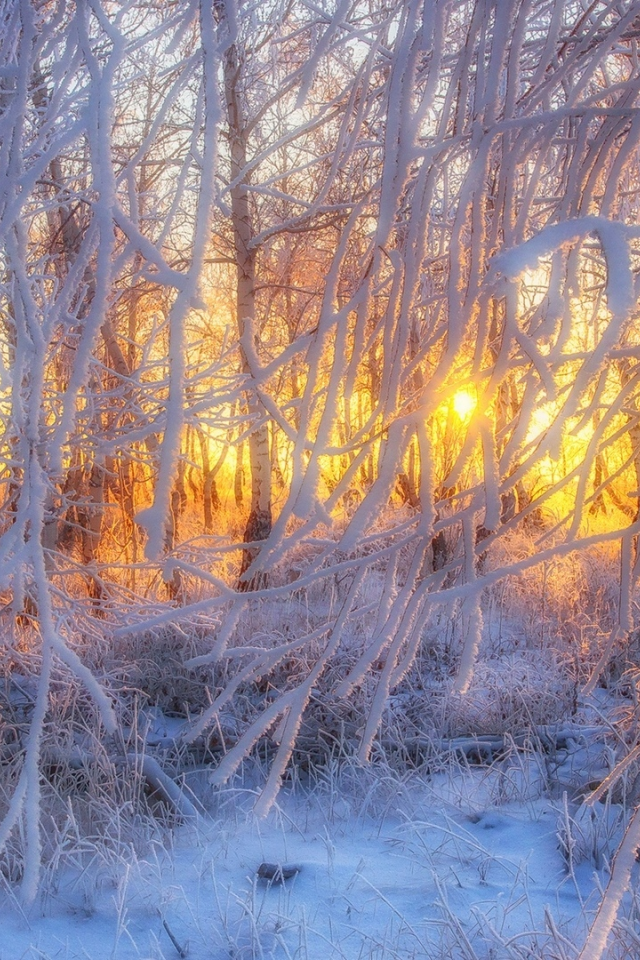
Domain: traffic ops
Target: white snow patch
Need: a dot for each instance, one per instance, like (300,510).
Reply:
(395,872)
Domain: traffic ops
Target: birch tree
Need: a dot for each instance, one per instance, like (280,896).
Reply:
(244,231)
(274,114)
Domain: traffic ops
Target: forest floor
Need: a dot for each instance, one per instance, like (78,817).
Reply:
(496,861)
(466,836)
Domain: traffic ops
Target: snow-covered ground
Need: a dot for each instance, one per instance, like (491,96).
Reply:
(466,862)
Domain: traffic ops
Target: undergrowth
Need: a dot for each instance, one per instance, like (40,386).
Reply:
(99,809)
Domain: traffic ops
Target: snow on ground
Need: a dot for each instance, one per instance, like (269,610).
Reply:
(465,863)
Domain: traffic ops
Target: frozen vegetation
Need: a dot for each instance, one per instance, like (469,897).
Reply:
(319,479)
(482,825)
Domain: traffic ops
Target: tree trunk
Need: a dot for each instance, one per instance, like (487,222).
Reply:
(259,523)
(175,584)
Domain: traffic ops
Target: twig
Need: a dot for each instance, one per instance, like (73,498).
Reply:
(181,951)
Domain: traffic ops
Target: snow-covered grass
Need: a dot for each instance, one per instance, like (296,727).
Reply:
(443,858)
(466,862)
(467,835)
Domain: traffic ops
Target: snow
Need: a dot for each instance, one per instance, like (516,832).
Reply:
(441,163)
(614,238)
(620,877)
(421,867)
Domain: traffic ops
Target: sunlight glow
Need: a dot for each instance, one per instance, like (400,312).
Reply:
(465,402)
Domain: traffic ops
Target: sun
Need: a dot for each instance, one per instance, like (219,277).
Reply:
(464,402)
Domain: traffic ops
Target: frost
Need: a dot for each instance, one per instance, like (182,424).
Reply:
(252,258)
(614,237)
(618,885)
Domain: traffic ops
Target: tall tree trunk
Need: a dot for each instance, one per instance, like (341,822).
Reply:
(175,584)
(67,232)
(211,497)
(259,523)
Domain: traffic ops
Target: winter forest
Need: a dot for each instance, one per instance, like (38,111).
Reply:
(320,470)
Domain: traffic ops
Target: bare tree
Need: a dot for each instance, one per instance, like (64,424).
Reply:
(259,523)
